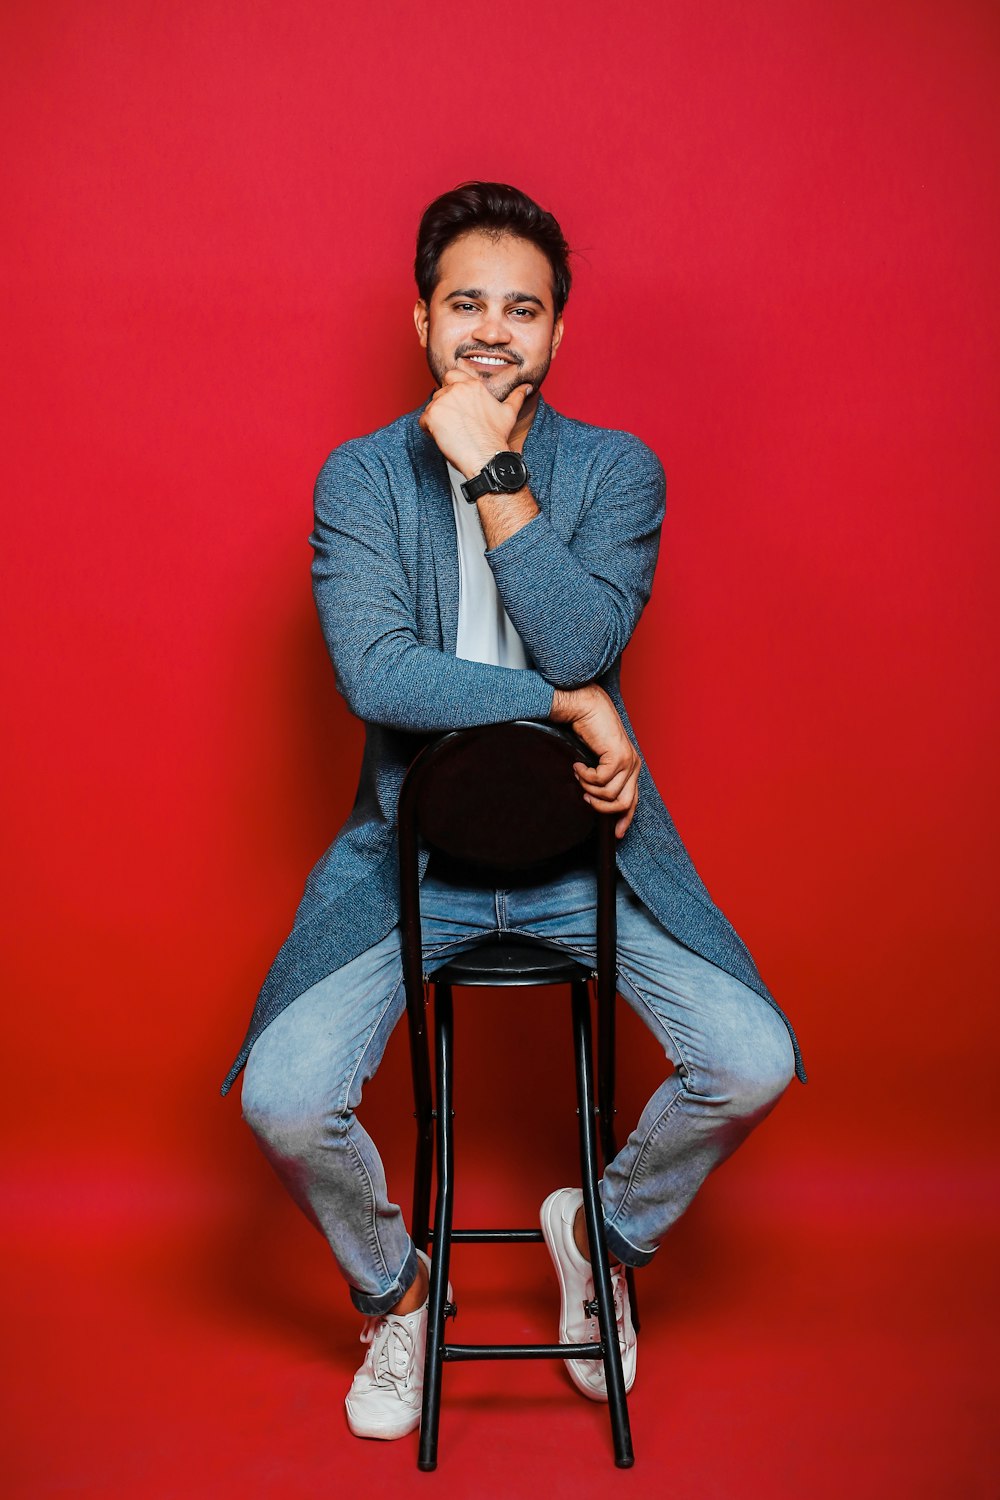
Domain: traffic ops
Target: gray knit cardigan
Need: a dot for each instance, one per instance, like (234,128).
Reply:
(574,582)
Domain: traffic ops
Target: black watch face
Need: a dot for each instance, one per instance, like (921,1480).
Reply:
(510,470)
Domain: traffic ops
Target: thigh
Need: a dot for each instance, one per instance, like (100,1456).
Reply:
(709,1023)
(720,1034)
(316,1055)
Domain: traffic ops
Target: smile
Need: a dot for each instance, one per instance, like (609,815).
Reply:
(486,359)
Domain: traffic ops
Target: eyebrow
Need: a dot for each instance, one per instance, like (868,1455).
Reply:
(476,293)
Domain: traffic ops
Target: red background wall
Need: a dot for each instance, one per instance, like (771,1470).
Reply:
(786,218)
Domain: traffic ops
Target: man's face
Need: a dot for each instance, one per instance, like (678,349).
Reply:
(491,313)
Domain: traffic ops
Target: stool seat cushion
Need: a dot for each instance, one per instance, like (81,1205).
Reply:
(504,959)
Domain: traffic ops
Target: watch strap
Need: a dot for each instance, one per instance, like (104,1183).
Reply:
(480,484)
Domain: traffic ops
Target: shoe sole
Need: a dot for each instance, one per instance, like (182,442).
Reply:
(387,1435)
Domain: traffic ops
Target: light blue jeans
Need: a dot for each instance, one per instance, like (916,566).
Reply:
(731,1054)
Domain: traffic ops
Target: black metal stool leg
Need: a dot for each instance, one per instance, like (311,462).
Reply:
(423,1104)
(438,1295)
(606,1066)
(422,1166)
(618,1408)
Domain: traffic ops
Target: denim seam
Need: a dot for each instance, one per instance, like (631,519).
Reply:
(374,1241)
(394,1284)
(463,942)
(639,1250)
(636,1175)
(345,1106)
(647,1005)
(580,953)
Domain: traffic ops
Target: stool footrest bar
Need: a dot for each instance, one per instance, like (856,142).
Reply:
(493,1236)
(521,1351)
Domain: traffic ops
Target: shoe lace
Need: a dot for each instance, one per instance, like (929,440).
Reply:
(390,1350)
(619,1291)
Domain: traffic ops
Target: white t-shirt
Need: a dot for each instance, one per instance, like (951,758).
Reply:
(485,632)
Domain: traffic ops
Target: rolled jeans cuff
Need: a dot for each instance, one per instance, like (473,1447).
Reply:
(374,1307)
(620,1249)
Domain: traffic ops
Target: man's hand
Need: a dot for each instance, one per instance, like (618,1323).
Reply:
(612,786)
(468,423)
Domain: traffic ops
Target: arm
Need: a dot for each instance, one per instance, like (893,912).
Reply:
(574,605)
(367,611)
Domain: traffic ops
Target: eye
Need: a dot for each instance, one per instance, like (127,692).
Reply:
(523,312)
(464,306)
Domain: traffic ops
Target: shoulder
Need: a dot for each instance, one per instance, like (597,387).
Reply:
(613,452)
(386,448)
(383,458)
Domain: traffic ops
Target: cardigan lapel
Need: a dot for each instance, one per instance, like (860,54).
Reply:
(437,531)
(540,453)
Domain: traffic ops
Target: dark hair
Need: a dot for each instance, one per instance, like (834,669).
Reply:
(494,208)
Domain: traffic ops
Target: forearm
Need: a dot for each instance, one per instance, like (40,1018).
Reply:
(575,579)
(503,516)
(574,621)
(417,688)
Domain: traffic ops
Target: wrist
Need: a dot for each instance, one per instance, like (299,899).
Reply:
(475,459)
(559,712)
(569,704)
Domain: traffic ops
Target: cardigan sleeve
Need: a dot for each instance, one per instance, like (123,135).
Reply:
(367,612)
(576,603)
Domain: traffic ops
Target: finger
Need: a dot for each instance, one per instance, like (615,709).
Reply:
(606,771)
(459,377)
(624,822)
(517,397)
(610,805)
(610,790)
(600,774)
(606,799)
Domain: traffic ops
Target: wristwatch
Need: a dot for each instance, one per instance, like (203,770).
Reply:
(505,474)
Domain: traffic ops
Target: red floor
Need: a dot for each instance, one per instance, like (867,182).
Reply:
(814,1328)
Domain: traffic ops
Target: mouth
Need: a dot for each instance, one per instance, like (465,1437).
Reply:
(487,362)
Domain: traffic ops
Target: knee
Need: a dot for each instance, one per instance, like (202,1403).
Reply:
(765,1071)
(749,1081)
(771,1069)
(287,1126)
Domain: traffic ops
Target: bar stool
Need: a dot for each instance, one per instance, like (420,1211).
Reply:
(495,801)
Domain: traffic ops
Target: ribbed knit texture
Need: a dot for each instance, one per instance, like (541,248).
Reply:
(574,581)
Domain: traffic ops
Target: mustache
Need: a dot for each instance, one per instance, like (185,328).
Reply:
(508,354)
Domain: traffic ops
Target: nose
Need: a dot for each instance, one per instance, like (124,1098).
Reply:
(490,327)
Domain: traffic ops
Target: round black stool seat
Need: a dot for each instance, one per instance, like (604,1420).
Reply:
(503,959)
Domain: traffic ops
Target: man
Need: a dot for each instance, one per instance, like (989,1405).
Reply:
(481,560)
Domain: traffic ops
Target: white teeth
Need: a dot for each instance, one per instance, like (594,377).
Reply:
(482,359)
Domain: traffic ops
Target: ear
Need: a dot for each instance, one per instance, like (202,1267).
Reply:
(421,318)
(557,333)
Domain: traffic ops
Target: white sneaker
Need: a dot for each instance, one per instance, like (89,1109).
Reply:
(386,1394)
(576,1287)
